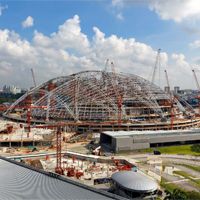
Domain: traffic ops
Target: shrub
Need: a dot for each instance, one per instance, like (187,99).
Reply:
(196,148)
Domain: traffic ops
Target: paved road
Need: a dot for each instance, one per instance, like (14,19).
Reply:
(189,171)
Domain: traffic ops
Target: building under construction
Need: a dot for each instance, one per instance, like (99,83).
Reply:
(100,100)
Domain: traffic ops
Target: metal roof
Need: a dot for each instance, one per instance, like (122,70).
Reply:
(151,133)
(135,181)
(18,181)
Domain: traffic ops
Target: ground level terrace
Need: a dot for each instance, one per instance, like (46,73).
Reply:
(92,126)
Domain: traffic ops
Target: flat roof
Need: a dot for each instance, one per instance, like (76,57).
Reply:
(19,181)
(149,133)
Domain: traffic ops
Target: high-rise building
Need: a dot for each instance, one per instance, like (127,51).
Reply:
(11,89)
(176,89)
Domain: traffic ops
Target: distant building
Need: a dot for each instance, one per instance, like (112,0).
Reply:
(176,89)
(11,89)
(167,89)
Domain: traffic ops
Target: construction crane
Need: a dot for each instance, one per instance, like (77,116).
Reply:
(198,88)
(119,96)
(29,110)
(157,63)
(29,106)
(172,98)
(106,65)
(196,80)
(33,77)
(59,168)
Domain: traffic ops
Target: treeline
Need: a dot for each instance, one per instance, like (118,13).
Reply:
(5,97)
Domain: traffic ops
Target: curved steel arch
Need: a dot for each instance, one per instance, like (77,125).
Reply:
(91,95)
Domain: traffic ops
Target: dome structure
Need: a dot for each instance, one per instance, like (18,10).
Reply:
(134,181)
(95,96)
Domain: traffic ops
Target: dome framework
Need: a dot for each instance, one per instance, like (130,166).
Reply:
(94,96)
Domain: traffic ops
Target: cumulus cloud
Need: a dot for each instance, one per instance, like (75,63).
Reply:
(68,36)
(180,71)
(195,44)
(2,8)
(28,22)
(120,16)
(118,3)
(117,7)
(68,50)
(176,10)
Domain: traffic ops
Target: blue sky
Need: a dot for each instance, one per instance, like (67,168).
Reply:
(169,25)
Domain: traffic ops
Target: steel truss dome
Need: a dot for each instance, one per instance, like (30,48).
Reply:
(92,96)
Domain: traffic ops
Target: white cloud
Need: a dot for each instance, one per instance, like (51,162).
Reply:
(69,51)
(28,22)
(176,10)
(195,44)
(117,7)
(2,8)
(120,16)
(180,72)
(69,36)
(118,3)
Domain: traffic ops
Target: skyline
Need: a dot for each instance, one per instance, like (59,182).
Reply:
(58,38)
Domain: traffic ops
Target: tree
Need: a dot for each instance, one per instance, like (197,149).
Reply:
(195,148)
(176,194)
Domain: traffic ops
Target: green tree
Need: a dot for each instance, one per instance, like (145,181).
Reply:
(196,148)
(176,194)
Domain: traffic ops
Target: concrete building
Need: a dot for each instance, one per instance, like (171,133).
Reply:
(167,89)
(19,181)
(176,89)
(131,140)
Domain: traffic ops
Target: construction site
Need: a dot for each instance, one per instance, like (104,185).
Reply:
(127,112)
(100,101)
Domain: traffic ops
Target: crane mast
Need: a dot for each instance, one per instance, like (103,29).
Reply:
(198,88)
(33,77)
(117,93)
(171,101)
(196,80)
(156,65)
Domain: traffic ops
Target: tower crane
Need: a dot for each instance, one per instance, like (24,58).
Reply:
(33,77)
(29,110)
(119,96)
(198,88)
(157,63)
(58,168)
(172,98)
(196,80)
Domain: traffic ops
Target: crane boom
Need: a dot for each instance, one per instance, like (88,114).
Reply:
(156,65)
(172,98)
(117,93)
(106,65)
(198,88)
(33,77)
(167,79)
(196,80)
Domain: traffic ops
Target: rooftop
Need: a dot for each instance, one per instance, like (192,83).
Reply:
(19,181)
(149,133)
(135,181)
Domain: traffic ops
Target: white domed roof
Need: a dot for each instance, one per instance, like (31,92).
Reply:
(135,181)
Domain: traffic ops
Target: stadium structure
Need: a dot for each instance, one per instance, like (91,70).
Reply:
(102,100)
